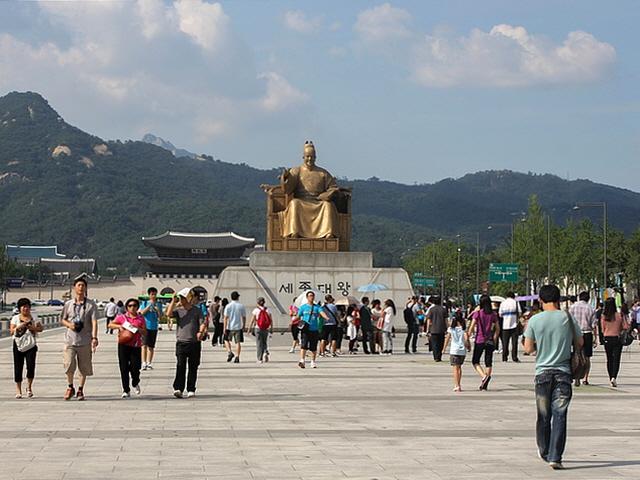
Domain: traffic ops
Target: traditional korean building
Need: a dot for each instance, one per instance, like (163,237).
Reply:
(201,254)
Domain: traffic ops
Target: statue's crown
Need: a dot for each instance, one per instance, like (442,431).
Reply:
(308,145)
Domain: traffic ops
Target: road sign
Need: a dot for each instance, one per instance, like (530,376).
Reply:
(418,274)
(503,272)
(424,282)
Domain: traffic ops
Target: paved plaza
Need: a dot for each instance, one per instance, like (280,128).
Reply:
(356,417)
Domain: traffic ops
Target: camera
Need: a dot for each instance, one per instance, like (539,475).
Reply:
(78,325)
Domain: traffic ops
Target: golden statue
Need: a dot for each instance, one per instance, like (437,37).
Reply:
(307,210)
(311,213)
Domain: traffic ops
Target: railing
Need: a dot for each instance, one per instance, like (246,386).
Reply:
(48,321)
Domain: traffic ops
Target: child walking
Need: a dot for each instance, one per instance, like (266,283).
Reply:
(457,336)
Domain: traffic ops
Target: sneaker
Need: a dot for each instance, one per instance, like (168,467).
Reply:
(613,383)
(556,465)
(259,362)
(301,364)
(237,360)
(136,389)
(576,382)
(18,395)
(149,366)
(314,364)
(191,394)
(144,366)
(80,394)
(125,395)
(69,393)
(485,382)
(177,393)
(266,357)
(230,356)
(292,350)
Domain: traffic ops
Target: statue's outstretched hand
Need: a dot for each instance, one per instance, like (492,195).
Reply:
(285,175)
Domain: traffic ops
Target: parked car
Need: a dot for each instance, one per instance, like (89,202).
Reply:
(39,303)
(55,303)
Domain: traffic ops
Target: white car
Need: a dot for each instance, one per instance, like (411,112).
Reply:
(39,303)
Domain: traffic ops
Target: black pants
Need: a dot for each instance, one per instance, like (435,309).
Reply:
(368,341)
(19,359)
(613,348)
(187,353)
(510,335)
(437,342)
(130,360)
(412,337)
(217,333)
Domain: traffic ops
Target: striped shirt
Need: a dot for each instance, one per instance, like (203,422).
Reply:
(584,315)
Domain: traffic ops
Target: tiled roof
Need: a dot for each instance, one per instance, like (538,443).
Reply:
(214,241)
(33,251)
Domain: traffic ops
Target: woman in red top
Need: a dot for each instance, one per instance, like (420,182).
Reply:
(613,323)
(131,327)
(294,326)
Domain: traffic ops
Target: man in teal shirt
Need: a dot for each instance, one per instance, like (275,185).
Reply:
(151,310)
(552,333)
(311,320)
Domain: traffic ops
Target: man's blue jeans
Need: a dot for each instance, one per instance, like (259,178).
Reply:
(553,395)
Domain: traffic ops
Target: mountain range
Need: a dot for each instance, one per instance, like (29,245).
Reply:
(93,197)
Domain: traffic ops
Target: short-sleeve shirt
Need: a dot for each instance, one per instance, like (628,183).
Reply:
(554,332)
(457,341)
(151,317)
(484,325)
(389,317)
(138,321)
(188,323)
(86,311)
(332,313)
(509,310)
(584,315)
(310,314)
(15,320)
(438,316)
(236,312)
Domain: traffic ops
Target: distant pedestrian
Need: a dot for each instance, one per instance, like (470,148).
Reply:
(294,323)
(216,323)
(191,330)
(459,340)
(110,311)
(378,321)
(261,326)
(352,329)
(437,326)
(410,313)
(388,318)
(312,317)
(151,310)
(235,319)
(510,312)
(131,330)
(80,318)
(368,334)
(329,328)
(24,328)
(552,333)
(485,325)
(121,308)
(613,323)
(585,316)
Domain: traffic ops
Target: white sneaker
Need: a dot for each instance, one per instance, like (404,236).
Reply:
(149,366)
(136,389)
(177,393)
(314,364)
(144,366)
(191,394)
(266,357)
(292,350)
(259,362)
(125,395)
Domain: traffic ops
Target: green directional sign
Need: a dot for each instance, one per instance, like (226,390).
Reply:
(418,274)
(424,282)
(503,272)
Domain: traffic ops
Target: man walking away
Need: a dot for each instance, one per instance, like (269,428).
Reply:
(585,317)
(368,340)
(410,313)
(437,327)
(551,333)
(262,321)
(330,327)
(235,319)
(509,312)
(110,311)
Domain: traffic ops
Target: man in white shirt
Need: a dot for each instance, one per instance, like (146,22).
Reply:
(510,312)
(110,311)
(235,318)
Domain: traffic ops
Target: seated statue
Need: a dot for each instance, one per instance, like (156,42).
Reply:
(310,213)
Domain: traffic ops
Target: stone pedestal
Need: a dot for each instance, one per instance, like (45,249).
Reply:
(281,276)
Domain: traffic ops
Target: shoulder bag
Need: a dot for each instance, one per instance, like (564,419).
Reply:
(578,360)
(25,342)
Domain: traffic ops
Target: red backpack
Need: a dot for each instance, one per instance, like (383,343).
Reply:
(264,319)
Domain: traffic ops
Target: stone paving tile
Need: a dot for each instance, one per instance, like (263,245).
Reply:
(355,417)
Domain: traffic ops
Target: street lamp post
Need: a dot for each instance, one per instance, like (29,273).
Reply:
(458,270)
(602,205)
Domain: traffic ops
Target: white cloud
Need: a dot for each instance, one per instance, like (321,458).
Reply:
(298,21)
(206,23)
(383,23)
(509,56)
(280,93)
(154,17)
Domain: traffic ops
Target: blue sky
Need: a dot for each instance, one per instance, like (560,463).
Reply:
(411,91)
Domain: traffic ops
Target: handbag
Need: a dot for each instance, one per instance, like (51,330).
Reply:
(25,342)
(626,337)
(578,360)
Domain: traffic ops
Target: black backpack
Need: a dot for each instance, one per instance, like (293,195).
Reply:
(409,318)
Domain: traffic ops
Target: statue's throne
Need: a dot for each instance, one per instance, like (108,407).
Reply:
(277,201)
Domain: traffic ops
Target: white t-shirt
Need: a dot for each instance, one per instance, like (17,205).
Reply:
(457,341)
(509,310)
(388,319)
(15,320)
